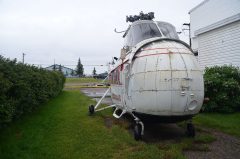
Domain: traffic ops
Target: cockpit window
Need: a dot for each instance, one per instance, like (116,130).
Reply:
(128,39)
(168,30)
(144,31)
(140,32)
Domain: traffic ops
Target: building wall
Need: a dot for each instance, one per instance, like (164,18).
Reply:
(66,71)
(210,12)
(220,46)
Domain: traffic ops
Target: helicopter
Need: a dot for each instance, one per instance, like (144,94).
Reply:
(156,79)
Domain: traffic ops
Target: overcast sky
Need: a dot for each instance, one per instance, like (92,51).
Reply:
(65,30)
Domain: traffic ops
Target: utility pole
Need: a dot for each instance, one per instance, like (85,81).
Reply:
(189,33)
(23,54)
(54,66)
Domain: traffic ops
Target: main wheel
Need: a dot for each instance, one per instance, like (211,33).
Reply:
(190,130)
(91,109)
(137,132)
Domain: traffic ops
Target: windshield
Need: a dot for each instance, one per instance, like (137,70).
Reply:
(144,31)
(140,32)
(168,30)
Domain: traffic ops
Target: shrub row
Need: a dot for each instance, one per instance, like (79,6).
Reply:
(24,87)
(222,87)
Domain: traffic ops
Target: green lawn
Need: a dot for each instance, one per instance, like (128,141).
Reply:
(228,123)
(62,129)
(82,80)
(78,83)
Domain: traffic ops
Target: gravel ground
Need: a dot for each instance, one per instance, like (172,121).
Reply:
(225,147)
(97,93)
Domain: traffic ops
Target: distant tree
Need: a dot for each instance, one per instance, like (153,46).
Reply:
(79,69)
(72,73)
(94,71)
(66,73)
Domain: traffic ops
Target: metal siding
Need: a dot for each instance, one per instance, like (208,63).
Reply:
(163,80)
(220,46)
(214,10)
(142,66)
(150,81)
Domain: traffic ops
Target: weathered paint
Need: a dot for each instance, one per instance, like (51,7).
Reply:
(162,78)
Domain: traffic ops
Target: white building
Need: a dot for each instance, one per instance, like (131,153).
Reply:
(215,32)
(68,72)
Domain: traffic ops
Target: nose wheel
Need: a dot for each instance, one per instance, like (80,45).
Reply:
(91,109)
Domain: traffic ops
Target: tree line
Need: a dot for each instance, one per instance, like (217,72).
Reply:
(23,88)
(80,69)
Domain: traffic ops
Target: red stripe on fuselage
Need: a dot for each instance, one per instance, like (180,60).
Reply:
(160,53)
(163,48)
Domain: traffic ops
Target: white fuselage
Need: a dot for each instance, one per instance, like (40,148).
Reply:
(158,77)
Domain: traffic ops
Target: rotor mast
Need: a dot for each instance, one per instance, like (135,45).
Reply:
(141,16)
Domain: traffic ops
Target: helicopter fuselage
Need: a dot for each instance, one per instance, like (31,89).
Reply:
(157,77)
(158,80)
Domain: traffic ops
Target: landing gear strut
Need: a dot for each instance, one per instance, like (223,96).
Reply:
(137,132)
(190,130)
(138,128)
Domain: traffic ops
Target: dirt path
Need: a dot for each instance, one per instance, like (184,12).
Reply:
(225,147)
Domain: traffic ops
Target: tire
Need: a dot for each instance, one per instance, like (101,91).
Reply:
(190,130)
(91,109)
(137,132)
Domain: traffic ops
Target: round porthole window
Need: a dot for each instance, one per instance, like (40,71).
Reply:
(192,105)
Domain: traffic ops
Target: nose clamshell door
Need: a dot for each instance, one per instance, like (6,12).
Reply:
(151,84)
(187,81)
(164,76)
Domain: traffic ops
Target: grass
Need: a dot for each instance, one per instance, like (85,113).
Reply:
(78,83)
(79,87)
(62,129)
(204,138)
(82,80)
(228,123)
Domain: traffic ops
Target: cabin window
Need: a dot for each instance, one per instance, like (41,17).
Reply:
(115,76)
(144,31)
(168,30)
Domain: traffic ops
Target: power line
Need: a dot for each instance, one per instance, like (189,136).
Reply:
(62,64)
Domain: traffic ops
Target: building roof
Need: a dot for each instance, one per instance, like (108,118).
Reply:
(199,5)
(218,24)
(58,66)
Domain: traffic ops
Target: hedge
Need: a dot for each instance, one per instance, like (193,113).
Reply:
(24,87)
(222,87)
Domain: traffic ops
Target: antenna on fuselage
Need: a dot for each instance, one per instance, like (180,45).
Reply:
(115,30)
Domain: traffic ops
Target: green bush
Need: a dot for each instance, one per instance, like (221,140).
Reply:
(24,87)
(222,87)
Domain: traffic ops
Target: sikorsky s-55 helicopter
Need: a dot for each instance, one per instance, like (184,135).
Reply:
(157,77)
